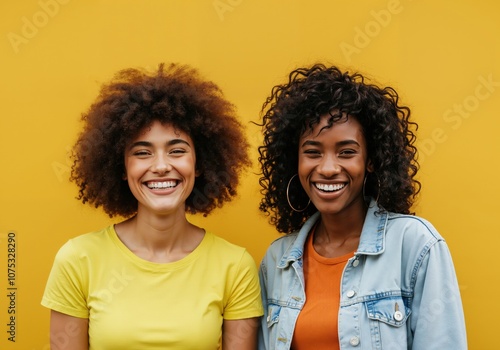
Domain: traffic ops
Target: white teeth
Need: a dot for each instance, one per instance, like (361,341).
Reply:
(329,188)
(161,185)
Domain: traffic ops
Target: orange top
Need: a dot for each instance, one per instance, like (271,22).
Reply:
(317,324)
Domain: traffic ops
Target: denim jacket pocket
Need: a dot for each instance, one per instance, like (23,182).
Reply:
(390,310)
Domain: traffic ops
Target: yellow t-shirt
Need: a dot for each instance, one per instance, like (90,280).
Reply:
(135,304)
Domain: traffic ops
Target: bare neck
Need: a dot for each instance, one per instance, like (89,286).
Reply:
(339,234)
(159,238)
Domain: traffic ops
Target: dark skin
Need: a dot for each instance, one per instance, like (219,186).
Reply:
(336,237)
(333,162)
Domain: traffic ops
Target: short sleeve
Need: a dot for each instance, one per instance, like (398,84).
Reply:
(65,291)
(244,299)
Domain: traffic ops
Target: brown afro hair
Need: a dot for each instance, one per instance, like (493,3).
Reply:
(174,95)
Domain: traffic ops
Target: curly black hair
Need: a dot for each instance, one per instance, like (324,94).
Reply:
(296,107)
(174,95)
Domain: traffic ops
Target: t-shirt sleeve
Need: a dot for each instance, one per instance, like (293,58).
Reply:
(65,289)
(244,291)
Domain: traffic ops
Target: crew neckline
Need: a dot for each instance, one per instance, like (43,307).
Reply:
(150,265)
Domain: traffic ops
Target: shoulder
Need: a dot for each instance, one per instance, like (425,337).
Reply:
(280,246)
(292,244)
(284,241)
(86,244)
(223,245)
(413,226)
(413,236)
(225,251)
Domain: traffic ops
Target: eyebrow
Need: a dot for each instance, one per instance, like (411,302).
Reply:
(169,143)
(340,143)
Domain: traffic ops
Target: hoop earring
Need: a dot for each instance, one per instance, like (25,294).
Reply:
(378,187)
(288,197)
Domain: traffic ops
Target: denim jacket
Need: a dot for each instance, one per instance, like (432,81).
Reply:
(398,291)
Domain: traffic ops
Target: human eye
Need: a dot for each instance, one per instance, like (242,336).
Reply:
(312,152)
(141,153)
(177,151)
(348,152)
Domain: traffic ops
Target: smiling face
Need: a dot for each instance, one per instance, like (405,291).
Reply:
(332,165)
(160,169)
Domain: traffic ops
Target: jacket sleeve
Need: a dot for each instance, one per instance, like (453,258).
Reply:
(437,320)
(263,343)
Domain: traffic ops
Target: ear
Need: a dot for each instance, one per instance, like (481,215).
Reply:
(369,166)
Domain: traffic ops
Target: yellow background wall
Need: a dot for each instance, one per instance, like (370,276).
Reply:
(442,56)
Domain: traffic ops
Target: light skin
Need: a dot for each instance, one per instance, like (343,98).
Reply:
(68,332)
(160,168)
(71,333)
(333,163)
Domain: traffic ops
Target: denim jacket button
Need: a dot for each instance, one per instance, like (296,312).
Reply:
(398,316)
(355,263)
(350,293)
(354,341)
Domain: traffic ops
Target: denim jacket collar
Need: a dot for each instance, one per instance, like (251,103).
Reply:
(371,242)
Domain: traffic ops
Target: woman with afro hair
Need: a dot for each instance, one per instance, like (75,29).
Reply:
(155,147)
(356,269)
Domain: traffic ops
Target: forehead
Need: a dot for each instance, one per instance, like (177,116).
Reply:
(346,126)
(158,130)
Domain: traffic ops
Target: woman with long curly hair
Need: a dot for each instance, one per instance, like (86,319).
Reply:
(356,268)
(154,147)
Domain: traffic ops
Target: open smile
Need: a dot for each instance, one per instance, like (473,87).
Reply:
(329,187)
(161,185)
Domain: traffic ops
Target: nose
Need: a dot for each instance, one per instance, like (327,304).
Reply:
(329,166)
(160,165)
